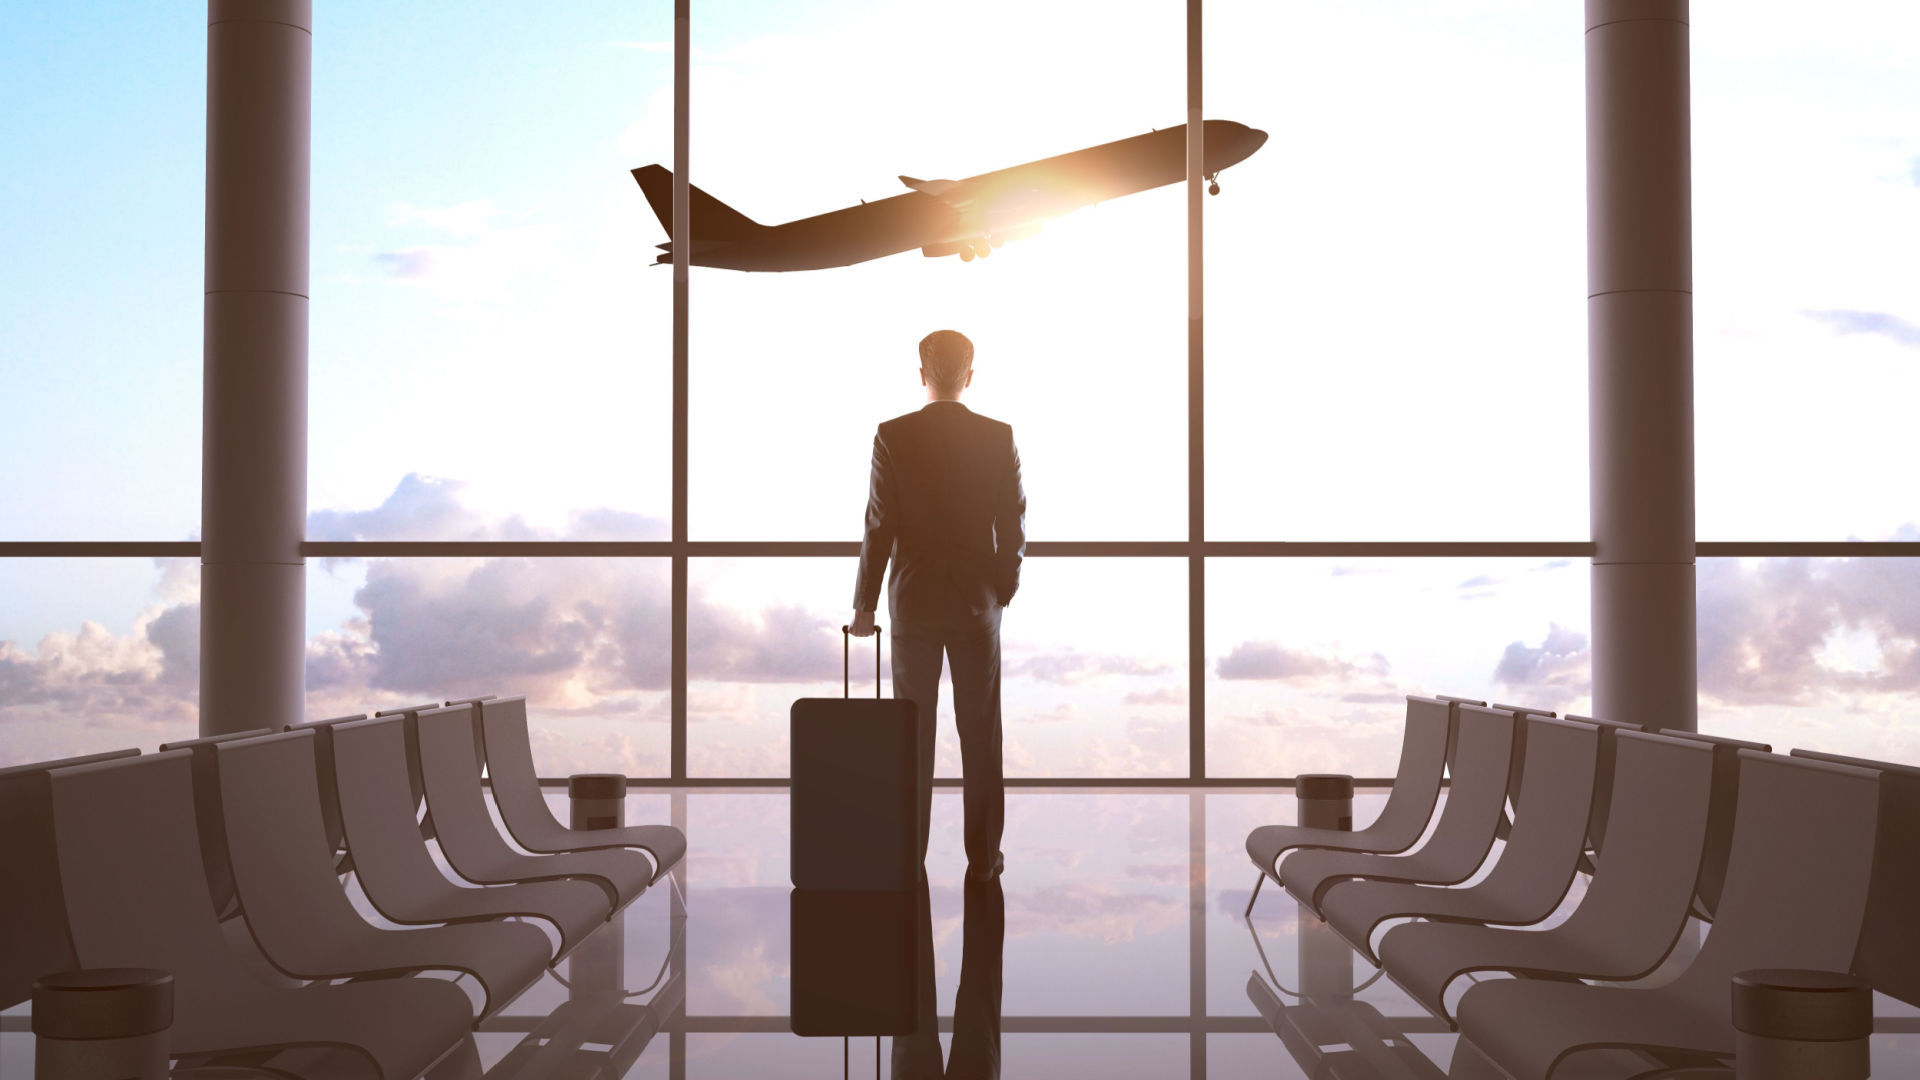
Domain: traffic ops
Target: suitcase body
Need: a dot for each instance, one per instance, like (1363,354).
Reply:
(855,800)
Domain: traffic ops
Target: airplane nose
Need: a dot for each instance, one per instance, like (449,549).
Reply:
(1255,140)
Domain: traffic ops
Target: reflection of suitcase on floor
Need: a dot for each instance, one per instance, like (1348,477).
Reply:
(856,789)
(855,962)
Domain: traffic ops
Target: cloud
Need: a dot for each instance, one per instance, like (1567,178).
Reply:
(1892,327)
(92,689)
(430,508)
(1071,667)
(1159,695)
(1808,631)
(410,263)
(1267,660)
(1560,668)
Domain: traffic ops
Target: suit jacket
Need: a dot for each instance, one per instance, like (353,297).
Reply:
(945,505)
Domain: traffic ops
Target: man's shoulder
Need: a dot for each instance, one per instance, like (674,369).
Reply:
(920,419)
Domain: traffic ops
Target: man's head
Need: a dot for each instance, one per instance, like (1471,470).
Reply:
(946,363)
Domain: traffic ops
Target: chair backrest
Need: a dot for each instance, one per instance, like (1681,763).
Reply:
(516,784)
(1455,702)
(1519,769)
(282,864)
(1727,774)
(1889,953)
(408,715)
(473,700)
(1483,756)
(1551,815)
(34,939)
(1602,774)
(376,806)
(1636,905)
(452,773)
(1423,764)
(128,843)
(1797,876)
(329,785)
(206,802)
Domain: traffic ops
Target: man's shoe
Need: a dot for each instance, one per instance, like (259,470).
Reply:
(993,870)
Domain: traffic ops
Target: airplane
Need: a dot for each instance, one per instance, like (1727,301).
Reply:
(968,218)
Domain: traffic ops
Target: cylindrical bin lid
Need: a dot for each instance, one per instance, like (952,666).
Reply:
(102,1003)
(1323,786)
(597,786)
(1804,1006)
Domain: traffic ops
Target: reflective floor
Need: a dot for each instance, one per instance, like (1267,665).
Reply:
(1123,953)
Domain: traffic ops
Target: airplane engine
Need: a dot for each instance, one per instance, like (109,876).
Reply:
(966,254)
(935,251)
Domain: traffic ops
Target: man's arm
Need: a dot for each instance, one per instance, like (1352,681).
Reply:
(1010,525)
(876,544)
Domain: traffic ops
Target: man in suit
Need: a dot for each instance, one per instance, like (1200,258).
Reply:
(945,505)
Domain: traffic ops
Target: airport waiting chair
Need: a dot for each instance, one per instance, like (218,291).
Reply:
(33,922)
(1461,838)
(127,843)
(1635,905)
(1795,896)
(516,791)
(206,802)
(299,915)
(1727,772)
(1402,821)
(1534,870)
(474,848)
(397,872)
(1889,953)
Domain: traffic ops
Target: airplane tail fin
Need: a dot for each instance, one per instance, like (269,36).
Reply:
(711,219)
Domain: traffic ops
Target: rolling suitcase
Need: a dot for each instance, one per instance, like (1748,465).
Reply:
(855,801)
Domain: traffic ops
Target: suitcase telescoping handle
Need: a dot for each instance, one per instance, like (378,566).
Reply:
(846,661)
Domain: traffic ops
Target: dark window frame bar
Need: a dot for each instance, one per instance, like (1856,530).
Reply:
(1123,549)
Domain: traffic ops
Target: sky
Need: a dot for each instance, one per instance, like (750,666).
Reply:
(1395,350)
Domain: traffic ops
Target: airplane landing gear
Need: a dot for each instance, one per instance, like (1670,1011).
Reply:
(1213,183)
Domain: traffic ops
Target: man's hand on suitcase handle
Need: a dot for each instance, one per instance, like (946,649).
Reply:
(862,625)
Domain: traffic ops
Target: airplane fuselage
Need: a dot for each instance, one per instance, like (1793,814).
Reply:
(969,217)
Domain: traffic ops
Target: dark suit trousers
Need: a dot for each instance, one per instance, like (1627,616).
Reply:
(973,650)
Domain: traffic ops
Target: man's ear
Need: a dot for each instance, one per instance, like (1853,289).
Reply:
(923,376)
(969,381)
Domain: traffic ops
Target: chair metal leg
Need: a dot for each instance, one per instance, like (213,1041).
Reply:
(1256,895)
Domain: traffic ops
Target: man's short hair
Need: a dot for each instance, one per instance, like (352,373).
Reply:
(946,356)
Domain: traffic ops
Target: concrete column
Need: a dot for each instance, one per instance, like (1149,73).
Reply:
(253,499)
(1640,361)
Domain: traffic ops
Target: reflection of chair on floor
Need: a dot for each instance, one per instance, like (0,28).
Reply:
(394,865)
(1346,1039)
(136,896)
(516,791)
(1795,896)
(1410,802)
(297,910)
(1534,870)
(1635,905)
(474,848)
(1461,838)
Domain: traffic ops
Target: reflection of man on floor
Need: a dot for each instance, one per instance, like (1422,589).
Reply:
(945,504)
(976,1006)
